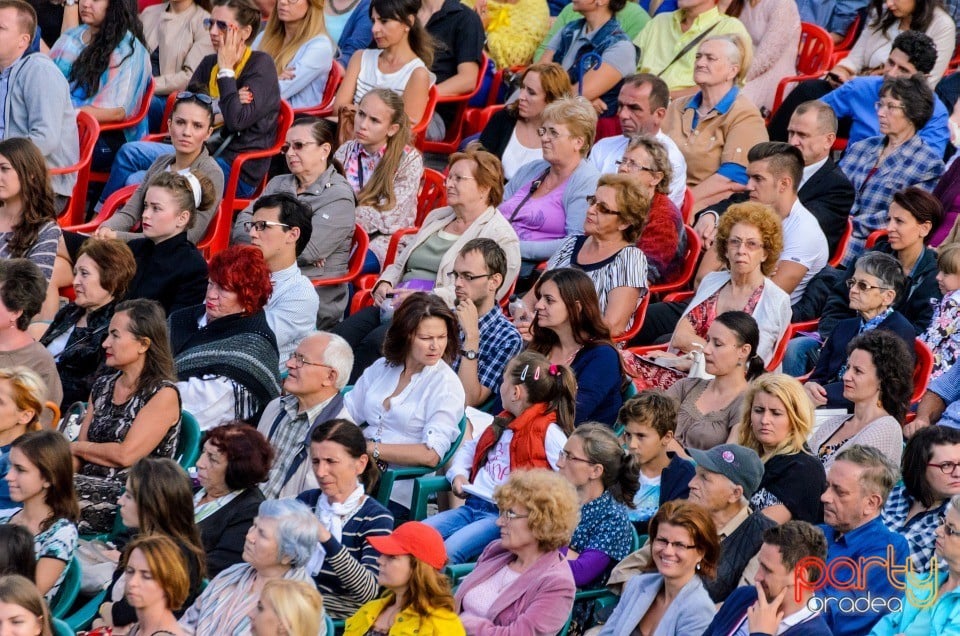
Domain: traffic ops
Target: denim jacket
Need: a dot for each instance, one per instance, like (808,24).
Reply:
(608,34)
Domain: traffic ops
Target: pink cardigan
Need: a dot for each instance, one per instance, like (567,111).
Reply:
(537,603)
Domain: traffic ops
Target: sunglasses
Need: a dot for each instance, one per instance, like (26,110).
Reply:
(203,98)
(862,285)
(221,25)
(296,145)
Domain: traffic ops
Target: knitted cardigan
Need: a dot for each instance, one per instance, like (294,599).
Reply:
(239,347)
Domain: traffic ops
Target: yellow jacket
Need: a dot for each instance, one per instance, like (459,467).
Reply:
(440,622)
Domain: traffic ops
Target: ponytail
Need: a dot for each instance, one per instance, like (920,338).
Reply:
(755,367)
(621,470)
(379,191)
(551,384)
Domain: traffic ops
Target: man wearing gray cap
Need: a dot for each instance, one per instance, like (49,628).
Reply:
(726,476)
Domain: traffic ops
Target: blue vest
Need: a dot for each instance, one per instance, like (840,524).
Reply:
(607,35)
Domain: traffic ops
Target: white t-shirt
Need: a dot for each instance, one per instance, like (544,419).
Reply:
(516,155)
(608,151)
(803,243)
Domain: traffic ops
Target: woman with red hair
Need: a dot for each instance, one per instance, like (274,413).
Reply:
(225,353)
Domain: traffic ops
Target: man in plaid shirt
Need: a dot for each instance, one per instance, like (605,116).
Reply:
(488,340)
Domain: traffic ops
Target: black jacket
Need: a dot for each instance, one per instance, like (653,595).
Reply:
(829,195)
(174,272)
(224,532)
(496,134)
(81,360)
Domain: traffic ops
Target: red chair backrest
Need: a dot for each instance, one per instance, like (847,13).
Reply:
(138,116)
(842,245)
(686,210)
(325,107)
(690,260)
(432,195)
(815,50)
(419,131)
(875,236)
(358,254)
(88,130)
(922,369)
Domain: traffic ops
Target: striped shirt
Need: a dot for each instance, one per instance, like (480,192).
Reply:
(348,577)
(44,250)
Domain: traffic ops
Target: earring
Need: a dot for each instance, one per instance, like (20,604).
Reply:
(698,566)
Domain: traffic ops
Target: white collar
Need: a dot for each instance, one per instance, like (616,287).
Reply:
(809,171)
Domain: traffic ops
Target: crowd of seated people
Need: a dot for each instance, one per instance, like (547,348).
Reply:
(504,338)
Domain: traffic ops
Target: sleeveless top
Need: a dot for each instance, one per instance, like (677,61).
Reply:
(371,77)
(111,423)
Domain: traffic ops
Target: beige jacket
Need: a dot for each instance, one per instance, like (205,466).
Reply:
(182,40)
(490,224)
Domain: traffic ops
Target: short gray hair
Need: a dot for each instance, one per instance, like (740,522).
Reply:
(339,356)
(884,268)
(296,528)
(658,153)
(880,474)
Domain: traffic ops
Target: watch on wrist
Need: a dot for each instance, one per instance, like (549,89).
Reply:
(70,3)
(376,450)
(471,354)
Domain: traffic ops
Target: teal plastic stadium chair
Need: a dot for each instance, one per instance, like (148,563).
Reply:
(61,629)
(329,624)
(188,445)
(68,592)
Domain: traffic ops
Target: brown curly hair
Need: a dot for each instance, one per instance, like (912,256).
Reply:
(759,216)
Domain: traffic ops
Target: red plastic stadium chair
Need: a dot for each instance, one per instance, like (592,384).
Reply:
(89,130)
(451,141)
(813,58)
(358,253)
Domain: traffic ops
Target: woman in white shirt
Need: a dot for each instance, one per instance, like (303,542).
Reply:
(410,400)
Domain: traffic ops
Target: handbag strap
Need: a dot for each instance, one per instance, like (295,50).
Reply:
(533,188)
(692,43)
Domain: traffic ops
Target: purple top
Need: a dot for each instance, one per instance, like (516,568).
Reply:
(539,219)
(948,191)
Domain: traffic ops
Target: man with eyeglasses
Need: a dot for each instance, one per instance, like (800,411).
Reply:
(35,97)
(858,484)
(488,339)
(641,107)
(774,605)
(726,477)
(281,227)
(316,373)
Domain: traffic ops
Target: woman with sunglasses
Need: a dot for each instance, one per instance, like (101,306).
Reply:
(316,178)
(174,33)
(940,616)
(244,89)
(915,507)
(877,282)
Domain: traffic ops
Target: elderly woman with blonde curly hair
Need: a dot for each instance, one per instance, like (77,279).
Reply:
(522,580)
(749,241)
(777,420)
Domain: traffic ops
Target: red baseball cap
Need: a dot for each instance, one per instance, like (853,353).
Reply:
(414,538)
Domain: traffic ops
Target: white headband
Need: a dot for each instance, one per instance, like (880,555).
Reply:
(194,184)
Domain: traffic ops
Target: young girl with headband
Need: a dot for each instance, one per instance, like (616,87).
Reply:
(539,399)
(170,269)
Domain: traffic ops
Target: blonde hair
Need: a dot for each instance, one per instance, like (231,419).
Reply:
(379,190)
(17,590)
(551,500)
(298,605)
(578,115)
(29,392)
(798,408)
(274,34)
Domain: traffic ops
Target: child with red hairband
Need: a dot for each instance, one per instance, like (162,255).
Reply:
(539,399)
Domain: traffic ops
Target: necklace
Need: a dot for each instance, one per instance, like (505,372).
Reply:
(335,11)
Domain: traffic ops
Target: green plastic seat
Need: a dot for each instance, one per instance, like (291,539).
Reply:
(188,445)
(60,628)
(68,592)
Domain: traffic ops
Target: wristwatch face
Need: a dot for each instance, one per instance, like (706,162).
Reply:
(470,354)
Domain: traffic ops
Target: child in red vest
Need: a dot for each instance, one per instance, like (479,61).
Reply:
(539,400)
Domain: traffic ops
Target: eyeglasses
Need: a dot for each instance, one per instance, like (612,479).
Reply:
(948,530)
(630,164)
(567,457)
(888,106)
(510,515)
(662,543)
(551,133)
(299,361)
(203,98)
(260,226)
(601,207)
(296,145)
(862,285)
(454,276)
(457,178)
(752,245)
(946,468)
(209,23)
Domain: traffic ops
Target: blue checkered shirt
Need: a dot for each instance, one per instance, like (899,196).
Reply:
(920,532)
(912,164)
(499,341)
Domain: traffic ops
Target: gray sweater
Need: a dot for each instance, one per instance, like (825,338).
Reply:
(38,107)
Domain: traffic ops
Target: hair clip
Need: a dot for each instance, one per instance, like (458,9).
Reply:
(523,374)
(536,374)
(554,370)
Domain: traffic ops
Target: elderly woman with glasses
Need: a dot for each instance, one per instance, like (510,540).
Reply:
(607,251)
(317,180)
(663,240)
(875,285)
(544,200)
(898,157)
